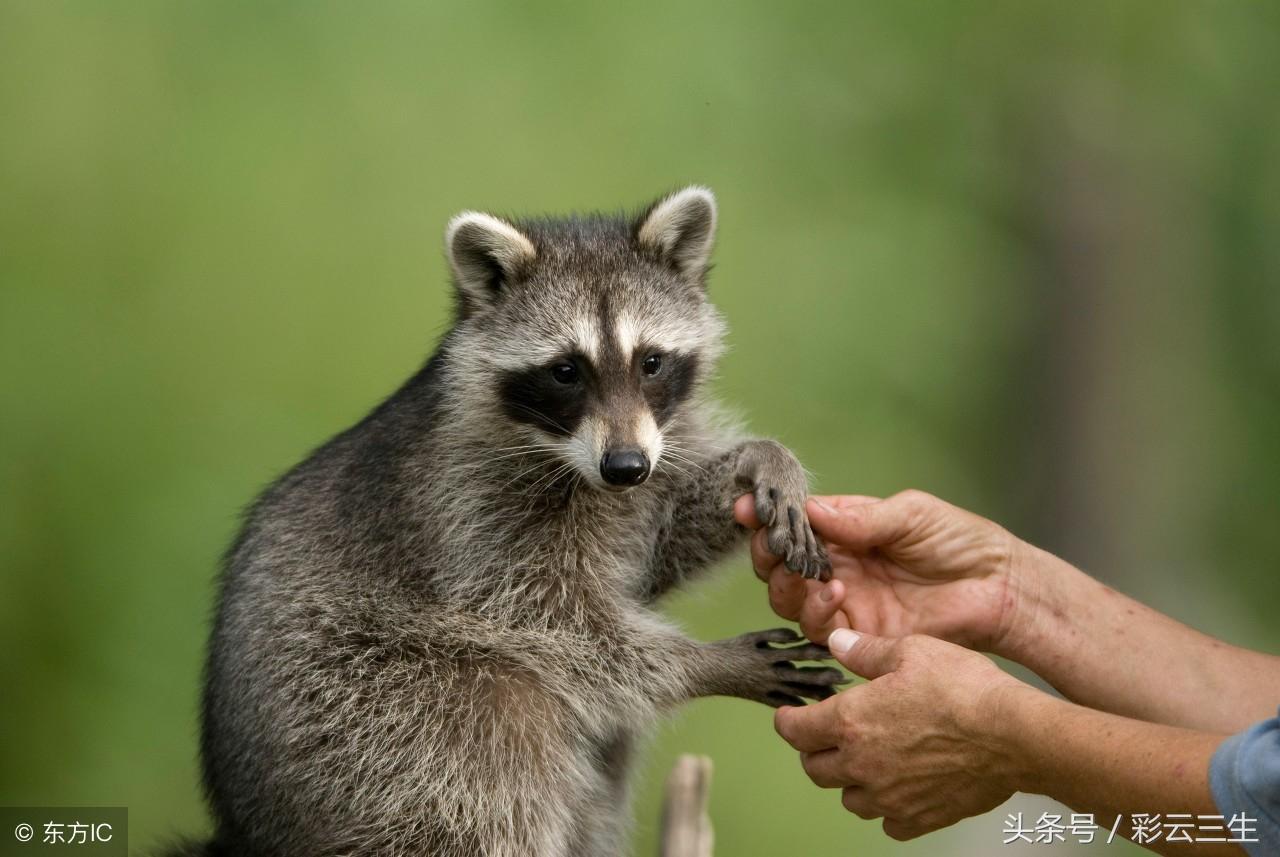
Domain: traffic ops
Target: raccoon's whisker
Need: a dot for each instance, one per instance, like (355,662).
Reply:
(695,444)
(678,440)
(683,471)
(550,477)
(541,416)
(692,465)
(681,452)
(573,481)
(514,453)
(511,455)
(690,473)
(701,440)
(669,454)
(677,453)
(522,474)
(671,462)
(702,443)
(527,451)
(533,489)
(559,468)
(536,445)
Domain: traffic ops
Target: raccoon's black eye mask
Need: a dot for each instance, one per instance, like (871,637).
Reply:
(669,384)
(552,397)
(555,397)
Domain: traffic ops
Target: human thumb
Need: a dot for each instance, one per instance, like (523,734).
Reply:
(863,654)
(860,526)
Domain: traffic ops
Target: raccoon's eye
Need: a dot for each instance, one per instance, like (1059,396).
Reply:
(564,373)
(652,364)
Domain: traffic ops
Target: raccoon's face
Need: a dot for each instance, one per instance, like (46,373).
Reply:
(588,337)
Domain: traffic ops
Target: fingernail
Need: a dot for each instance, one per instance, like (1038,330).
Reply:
(823,505)
(825,594)
(841,640)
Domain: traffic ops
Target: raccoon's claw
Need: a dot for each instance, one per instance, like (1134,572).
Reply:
(808,682)
(772,642)
(778,483)
(790,536)
(762,639)
(773,678)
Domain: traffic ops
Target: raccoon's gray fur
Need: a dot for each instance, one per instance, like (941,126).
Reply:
(435,635)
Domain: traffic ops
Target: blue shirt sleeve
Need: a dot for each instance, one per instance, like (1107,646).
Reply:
(1244,777)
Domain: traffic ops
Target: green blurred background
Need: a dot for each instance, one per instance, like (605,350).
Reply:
(1020,254)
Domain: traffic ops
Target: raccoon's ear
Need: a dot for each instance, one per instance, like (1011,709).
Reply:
(679,229)
(486,254)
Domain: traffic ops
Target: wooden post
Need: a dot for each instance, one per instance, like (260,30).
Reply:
(686,826)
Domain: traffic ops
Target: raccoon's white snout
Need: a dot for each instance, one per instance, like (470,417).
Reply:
(614,459)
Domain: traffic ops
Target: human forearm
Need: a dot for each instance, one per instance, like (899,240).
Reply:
(1104,650)
(1102,763)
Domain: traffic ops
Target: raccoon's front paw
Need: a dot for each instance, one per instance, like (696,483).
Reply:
(775,477)
(771,676)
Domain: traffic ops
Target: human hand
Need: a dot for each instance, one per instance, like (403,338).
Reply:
(909,564)
(911,746)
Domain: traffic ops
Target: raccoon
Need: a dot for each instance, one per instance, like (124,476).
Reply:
(436,635)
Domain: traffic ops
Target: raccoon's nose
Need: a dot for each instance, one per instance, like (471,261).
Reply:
(624,467)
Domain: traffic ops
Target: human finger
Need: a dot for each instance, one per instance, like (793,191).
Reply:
(841,501)
(763,560)
(866,655)
(809,728)
(901,830)
(861,526)
(825,769)
(820,613)
(744,512)
(858,801)
(787,593)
